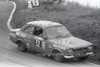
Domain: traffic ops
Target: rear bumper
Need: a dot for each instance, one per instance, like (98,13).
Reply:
(72,56)
(11,39)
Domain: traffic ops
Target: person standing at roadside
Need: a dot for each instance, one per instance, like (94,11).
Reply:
(33,3)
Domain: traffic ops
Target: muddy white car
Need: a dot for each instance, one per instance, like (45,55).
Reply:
(52,39)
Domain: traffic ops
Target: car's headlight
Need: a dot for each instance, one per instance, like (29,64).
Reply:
(62,47)
(90,48)
(70,51)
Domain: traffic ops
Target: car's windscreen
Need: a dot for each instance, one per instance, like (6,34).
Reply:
(57,31)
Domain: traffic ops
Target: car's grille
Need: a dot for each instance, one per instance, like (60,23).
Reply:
(80,52)
(81,49)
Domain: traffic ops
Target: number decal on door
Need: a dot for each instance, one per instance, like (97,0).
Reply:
(38,43)
(43,45)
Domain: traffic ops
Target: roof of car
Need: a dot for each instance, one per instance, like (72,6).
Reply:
(44,24)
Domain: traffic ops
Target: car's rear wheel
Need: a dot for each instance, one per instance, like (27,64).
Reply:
(83,58)
(22,47)
(58,56)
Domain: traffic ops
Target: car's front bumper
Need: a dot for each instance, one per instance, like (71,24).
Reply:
(72,56)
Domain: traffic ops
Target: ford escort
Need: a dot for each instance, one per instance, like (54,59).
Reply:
(52,39)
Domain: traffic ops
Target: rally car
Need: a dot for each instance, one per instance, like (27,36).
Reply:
(52,39)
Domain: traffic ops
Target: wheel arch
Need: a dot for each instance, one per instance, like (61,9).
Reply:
(19,40)
(56,50)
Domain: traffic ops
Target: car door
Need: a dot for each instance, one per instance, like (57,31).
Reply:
(39,40)
(29,38)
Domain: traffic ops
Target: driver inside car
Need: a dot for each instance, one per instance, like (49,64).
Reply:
(38,32)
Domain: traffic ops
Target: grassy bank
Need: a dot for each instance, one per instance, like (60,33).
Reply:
(82,22)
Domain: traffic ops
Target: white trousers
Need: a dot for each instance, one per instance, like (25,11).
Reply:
(32,3)
(35,2)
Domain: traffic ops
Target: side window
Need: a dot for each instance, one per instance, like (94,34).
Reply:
(29,30)
(38,31)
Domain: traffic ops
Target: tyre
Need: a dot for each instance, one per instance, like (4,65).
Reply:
(82,58)
(22,47)
(58,56)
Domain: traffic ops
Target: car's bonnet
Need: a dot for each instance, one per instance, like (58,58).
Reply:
(71,42)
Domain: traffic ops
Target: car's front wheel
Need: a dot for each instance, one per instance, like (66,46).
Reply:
(83,58)
(58,56)
(22,47)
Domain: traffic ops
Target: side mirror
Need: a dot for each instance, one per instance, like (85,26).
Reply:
(45,38)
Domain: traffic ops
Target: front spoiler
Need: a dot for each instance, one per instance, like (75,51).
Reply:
(87,54)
